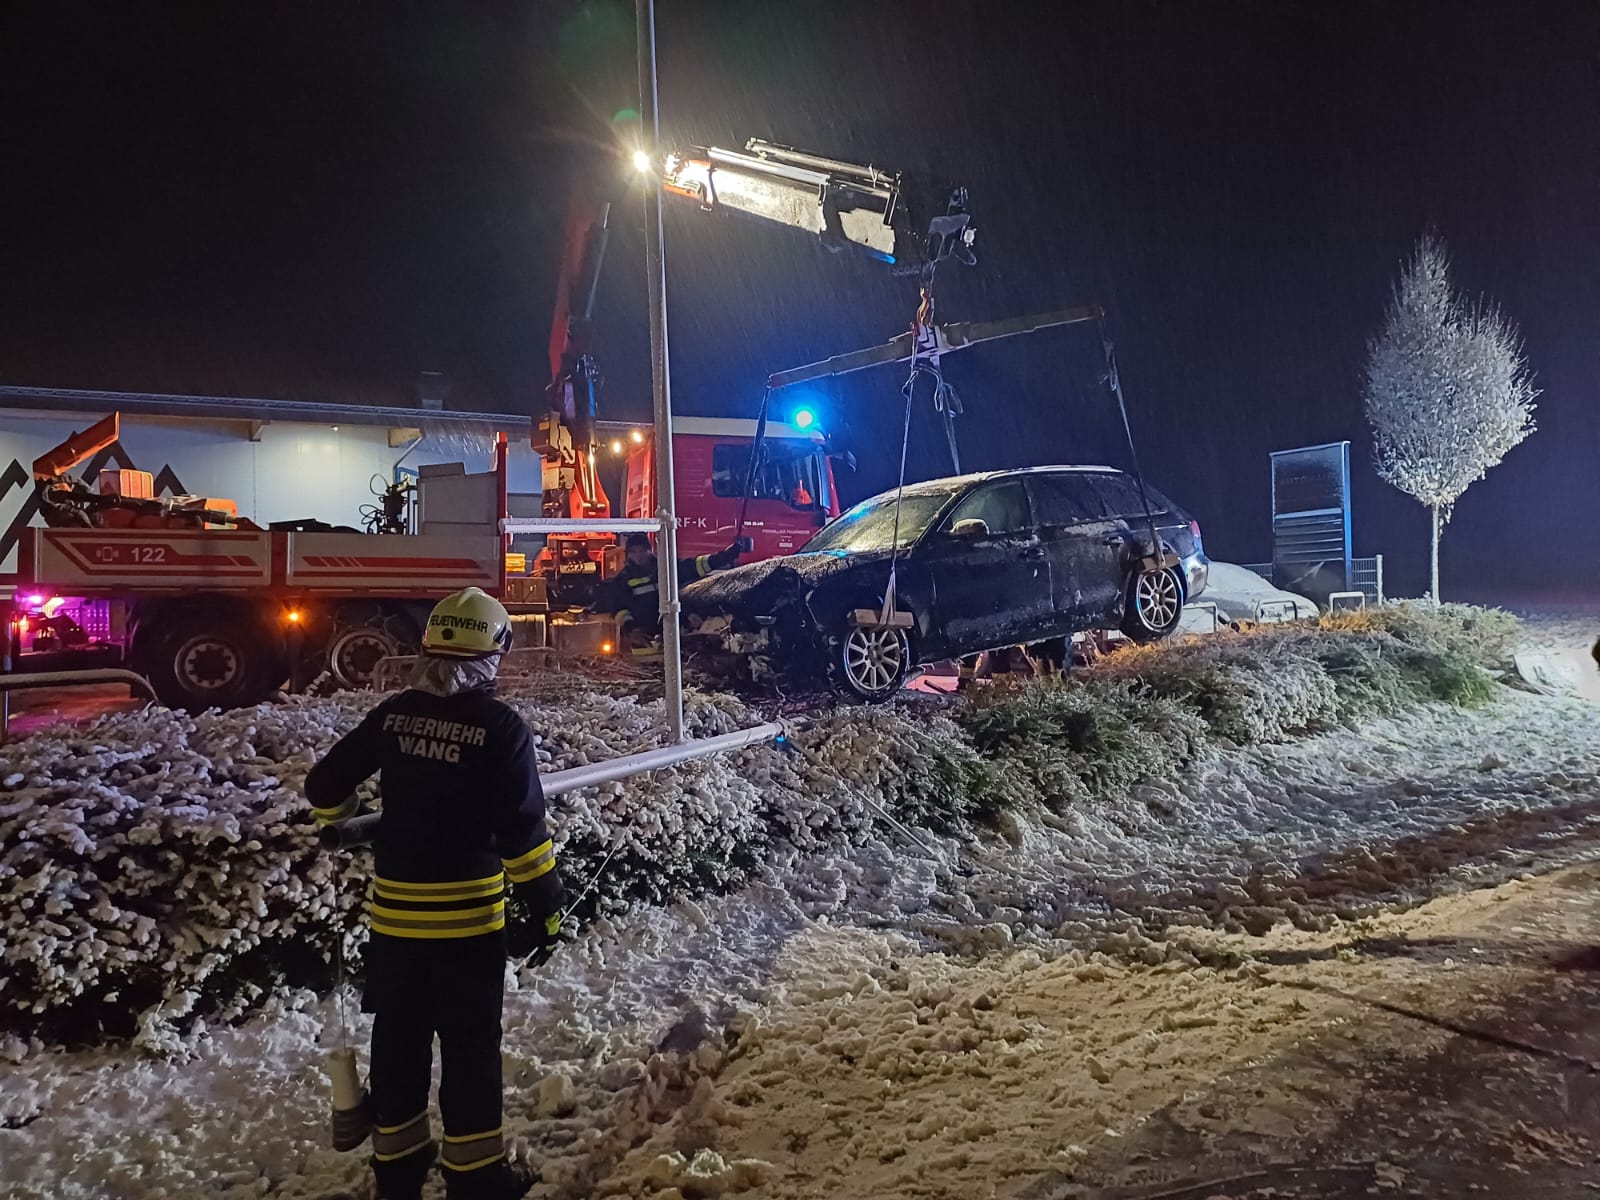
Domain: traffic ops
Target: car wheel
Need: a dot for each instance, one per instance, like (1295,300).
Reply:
(1154,605)
(870,662)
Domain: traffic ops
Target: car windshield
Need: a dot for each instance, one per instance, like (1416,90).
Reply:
(870,524)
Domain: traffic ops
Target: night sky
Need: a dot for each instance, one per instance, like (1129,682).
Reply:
(317,201)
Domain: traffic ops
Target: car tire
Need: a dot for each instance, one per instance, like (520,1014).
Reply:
(1153,604)
(869,662)
(211,656)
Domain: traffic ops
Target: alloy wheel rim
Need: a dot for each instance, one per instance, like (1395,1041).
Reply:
(873,659)
(1156,595)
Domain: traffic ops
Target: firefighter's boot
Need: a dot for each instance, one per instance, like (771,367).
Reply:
(402,1178)
(502,1181)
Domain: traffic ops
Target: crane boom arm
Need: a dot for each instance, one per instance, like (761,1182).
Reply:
(888,215)
(946,338)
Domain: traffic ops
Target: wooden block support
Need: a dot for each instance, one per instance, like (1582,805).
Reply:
(870,617)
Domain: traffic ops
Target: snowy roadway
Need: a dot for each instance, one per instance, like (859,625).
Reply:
(818,1042)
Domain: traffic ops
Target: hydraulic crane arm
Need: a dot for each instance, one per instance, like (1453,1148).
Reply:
(79,447)
(889,215)
(567,438)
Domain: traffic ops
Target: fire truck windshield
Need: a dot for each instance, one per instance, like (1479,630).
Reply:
(789,474)
(870,524)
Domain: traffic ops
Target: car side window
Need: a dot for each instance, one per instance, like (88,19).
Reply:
(1120,494)
(1002,506)
(1065,499)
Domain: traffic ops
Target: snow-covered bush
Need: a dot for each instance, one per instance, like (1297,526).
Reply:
(166,865)
(1246,688)
(1066,743)
(1484,636)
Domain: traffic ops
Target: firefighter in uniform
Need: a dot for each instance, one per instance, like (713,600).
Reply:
(463,819)
(633,598)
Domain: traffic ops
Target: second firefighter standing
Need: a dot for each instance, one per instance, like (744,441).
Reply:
(633,596)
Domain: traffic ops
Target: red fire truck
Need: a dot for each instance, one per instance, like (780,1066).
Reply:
(217,610)
(793,496)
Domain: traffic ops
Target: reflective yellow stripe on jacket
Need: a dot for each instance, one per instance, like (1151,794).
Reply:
(525,868)
(449,909)
(342,812)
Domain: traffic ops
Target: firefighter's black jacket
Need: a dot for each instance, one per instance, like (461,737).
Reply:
(633,597)
(463,810)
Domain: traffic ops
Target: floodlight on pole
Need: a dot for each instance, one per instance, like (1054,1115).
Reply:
(641,162)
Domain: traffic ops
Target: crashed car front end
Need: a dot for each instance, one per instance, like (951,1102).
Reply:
(756,623)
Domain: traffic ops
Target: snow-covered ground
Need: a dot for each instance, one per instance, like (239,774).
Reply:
(884,1021)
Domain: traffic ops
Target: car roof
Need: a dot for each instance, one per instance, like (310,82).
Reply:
(953,483)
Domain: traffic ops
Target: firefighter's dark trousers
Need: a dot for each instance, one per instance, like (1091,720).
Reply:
(452,988)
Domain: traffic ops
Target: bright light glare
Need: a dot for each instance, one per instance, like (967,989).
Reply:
(605,647)
(294,616)
(804,418)
(641,162)
(638,438)
(616,446)
(36,600)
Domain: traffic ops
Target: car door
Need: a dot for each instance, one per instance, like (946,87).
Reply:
(1085,547)
(992,589)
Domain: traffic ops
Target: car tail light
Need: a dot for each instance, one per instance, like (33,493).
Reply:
(1194,528)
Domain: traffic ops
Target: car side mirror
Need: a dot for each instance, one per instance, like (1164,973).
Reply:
(970,530)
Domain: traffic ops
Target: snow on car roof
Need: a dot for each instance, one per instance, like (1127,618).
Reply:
(951,483)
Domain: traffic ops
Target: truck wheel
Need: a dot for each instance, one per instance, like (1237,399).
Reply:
(1154,605)
(363,636)
(869,662)
(210,658)
(355,652)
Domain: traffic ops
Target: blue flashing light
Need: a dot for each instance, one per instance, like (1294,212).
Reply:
(804,418)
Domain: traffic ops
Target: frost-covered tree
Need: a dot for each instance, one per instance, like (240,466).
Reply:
(1448,390)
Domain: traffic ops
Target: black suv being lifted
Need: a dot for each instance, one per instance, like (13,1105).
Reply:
(982,561)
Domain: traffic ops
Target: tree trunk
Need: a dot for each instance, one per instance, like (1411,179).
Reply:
(1435,592)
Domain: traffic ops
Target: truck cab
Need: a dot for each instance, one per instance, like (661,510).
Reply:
(793,496)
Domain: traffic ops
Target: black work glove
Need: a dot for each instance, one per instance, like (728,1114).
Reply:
(727,557)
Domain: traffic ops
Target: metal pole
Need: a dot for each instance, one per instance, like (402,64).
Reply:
(358,831)
(656,280)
